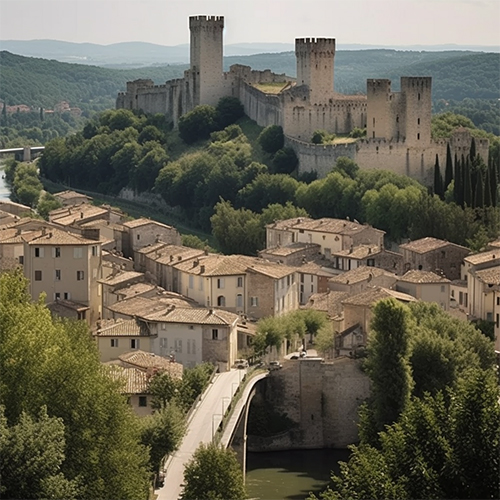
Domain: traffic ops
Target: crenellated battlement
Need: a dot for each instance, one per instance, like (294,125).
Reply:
(414,82)
(199,21)
(305,46)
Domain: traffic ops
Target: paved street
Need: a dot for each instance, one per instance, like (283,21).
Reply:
(201,427)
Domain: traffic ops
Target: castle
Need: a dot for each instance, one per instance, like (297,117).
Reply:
(398,124)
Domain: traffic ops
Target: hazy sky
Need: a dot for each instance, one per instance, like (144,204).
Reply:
(379,22)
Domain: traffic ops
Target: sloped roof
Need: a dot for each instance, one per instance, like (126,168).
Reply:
(373,295)
(415,276)
(290,249)
(271,269)
(149,361)
(121,277)
(132,224)
(217,265)
(334,226)
(361,273)
(121,328)
(359,252)
(482,257)
(428,244)
(329,302)
(200,316)
(490,276)
(53,236)
(133,380)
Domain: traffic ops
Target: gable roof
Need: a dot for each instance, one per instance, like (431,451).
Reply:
(429,244)
(361,273)
(490,276)
(142,221)
(53,236)
(217,265)
(483,257)
(416,276)
(371,296)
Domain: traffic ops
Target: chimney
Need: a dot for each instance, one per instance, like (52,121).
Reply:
(171,258)
(44,231)
(202,269)
(81,215)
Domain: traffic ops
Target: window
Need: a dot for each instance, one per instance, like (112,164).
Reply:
(67,296)
(239,300)
(215,334)
(38,275)
(191,327)
(200,286)
(56,252)
(143,401)
(57,276)
(419,96)
(138,237)
(95,251)
(80,275)
(114,342)
(134,343)
(453,293)
(442,288)
(418,121)
(38,252)
(57,296)
(498,321)
(221,301)
(240,282)
(254,301)
(191,346)
(191,281)
(163,326)
(489,316)
(370,262)
(94,273)
(498,301)
(77,253)
(220,282)
(178,345)
(418,137)
(21,259)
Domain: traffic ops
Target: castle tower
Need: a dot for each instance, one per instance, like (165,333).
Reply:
(315,58)
(416,94)
(205,75)
(379,117)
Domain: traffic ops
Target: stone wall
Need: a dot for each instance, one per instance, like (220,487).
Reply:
(322,398)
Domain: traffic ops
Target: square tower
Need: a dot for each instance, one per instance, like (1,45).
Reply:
(206,52)
(315,64)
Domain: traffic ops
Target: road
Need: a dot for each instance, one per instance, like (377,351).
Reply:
(203,423)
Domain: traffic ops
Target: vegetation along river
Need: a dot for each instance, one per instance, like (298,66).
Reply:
(287,475)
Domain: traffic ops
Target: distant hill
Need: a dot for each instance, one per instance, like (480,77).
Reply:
(137,54)
(456,75)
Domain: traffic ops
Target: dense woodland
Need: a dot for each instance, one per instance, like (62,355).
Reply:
(233,181)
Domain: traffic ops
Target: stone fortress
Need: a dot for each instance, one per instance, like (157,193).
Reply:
(398,124)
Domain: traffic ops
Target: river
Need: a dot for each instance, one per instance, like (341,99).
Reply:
(291,475)
(4,190)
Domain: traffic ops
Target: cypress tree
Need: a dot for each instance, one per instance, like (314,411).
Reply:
(458,187)
(472,152)
(438,179)
(479,190)
(467,184)
(493,183)
(448,173)
(487,189)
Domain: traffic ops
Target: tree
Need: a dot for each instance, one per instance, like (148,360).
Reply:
(271,139)
(285,161)
(197,124)
(213,474)
(46,204)
(229,110)
(448,173)
(162,433)
(54,363)
(387,362)
(438,179)
(31,454)
(347,167)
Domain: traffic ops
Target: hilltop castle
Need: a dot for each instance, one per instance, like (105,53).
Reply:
(398,124)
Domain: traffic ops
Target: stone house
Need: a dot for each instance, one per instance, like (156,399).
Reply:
(70,198)
(435,255)
(358,314)
(361,278)
(143,232)
(332,235)
(367,255)
(14,208)
(65,266)
(425,286)
(117,337)
(482,285)
(272,290)
(294,254)
(313,278)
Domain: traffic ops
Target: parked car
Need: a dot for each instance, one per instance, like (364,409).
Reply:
(274,365)
(241,364)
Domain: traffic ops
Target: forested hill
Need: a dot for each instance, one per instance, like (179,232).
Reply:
(456,75)
(42,82)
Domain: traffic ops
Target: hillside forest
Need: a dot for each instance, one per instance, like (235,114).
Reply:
(231,180)
(464,83)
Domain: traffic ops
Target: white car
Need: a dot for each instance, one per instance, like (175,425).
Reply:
(274,365)
(241,364)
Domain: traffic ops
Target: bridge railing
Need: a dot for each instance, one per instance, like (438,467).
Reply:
(226,418)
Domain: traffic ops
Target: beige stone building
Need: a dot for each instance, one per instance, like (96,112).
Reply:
(293,254)
(70,198)
(367,255)
(425,286)
(65,266)
(435,255)
(359,279)
(482,285)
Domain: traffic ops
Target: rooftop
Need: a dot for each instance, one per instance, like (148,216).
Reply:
(133,380)
(217,265)
(334,226)
(329,302)
(271,269)
(147,361)
(490,276)
(372,295)
(66,195)
(359,252)
(428,244)
(361,273)
(71,215)
(121,328)
(121,277)
(290,249)
(132,224)
(53,236)
(483,257)
(414,276)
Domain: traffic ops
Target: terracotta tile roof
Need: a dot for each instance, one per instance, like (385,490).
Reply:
(290,249)
(152,247)
(361,273)
(53,236)
(334,226)
(69,304)
(135,290)
(490,276)
(217,265)
(133,380)
(287,223)
(66,195)
(200,316)
(72,215)
(494,244)
(483,257)
(121,277)
(122,328)
(316,269)
(149,308)
(414,276)
(329,302)
(14,235)
(147,360)
(132,224)
(359,252)
(428,244)
(372,295)
(271,269)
